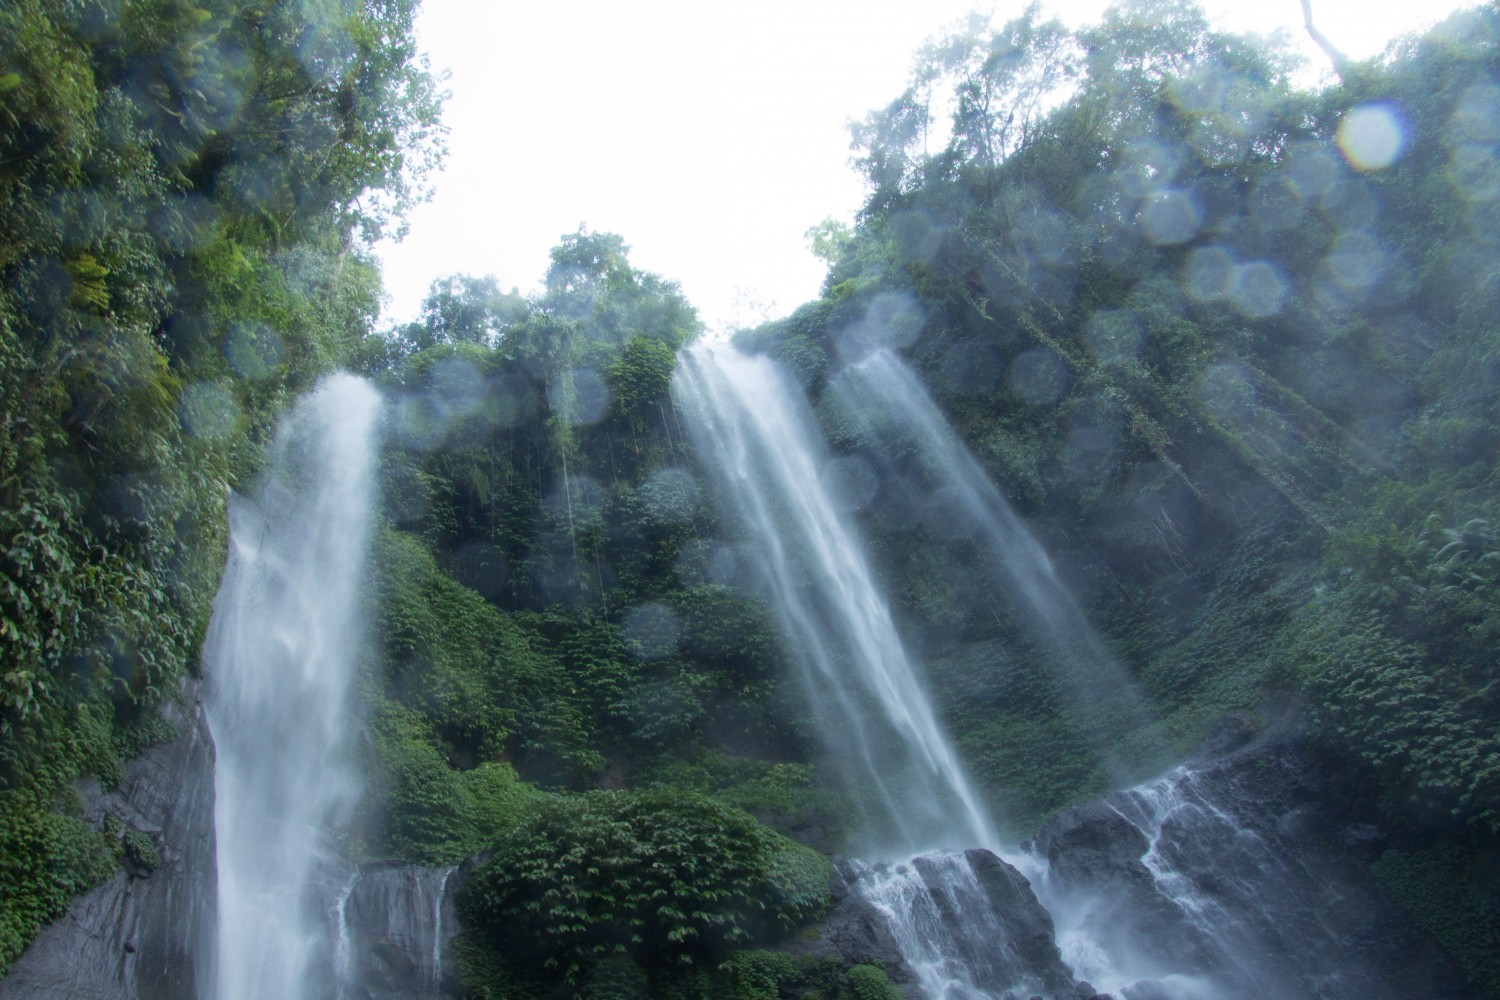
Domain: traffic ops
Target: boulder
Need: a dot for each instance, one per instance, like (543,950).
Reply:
(853,932)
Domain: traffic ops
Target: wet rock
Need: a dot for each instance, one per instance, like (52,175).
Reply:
(139,938)
(1240,877)
(399,922)
(1028,926)
(854,933)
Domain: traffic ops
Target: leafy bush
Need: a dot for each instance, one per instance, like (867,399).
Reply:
(1411,719)
(661,876)
(771,975)
(1439,888)
(867,982)
(45,858)
(436,814)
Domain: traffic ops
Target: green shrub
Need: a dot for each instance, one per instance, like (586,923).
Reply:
(45,859)
(1445,893)
(867,982)
(436,814)
(660,876)
(138,852)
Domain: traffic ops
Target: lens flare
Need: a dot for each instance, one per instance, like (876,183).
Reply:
(1372,137)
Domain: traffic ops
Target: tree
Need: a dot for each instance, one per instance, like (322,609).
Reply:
(591,283)
(1003,81)
(464,309)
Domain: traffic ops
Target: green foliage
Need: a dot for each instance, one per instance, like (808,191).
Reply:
(472,674)
(772,975)
(794,341)
(46,857)
(183,190)
(137,851)
(486,975)
(463,309)
(1443,889)
(1034,764)
(640,380)
(432,812)
(783,790)
(592,284)
(1412,720)
(664,877)
(867,982)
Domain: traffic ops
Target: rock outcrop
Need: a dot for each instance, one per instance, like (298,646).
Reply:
(398,926)
(944,924)
(1029,935)
(1237,877)
(853,932)
(141,935)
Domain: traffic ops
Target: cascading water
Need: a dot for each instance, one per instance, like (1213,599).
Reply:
(281,653)
(1201,904)
(752,428)
(967,924)
(880,394)
(1216,883)
(1155,893)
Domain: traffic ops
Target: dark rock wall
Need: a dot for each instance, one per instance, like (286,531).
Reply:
(1240,874)
(399,926)
(142,935)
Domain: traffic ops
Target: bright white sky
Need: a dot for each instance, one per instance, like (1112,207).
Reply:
(709,136)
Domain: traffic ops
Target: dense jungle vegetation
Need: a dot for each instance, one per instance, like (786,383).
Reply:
(1233,363)
(187,195)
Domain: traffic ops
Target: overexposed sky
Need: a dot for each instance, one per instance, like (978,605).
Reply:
(709,136)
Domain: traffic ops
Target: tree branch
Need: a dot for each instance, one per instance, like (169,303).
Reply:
(1339,60)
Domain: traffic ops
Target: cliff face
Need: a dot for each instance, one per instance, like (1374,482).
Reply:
(150,934)
(142,934)
(397,930)
(1240,873)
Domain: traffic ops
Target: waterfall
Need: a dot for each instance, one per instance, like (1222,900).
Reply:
(1159,892)
(1202,901)
(967,924)
(281,653)
(752,428)
(882,397)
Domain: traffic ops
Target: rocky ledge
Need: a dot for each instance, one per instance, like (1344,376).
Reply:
(146,934)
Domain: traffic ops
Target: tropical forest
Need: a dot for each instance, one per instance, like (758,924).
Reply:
(1093,593)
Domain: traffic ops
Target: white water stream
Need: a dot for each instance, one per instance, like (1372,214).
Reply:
(881,394)
(755,431)
(282,651)
(1162,895)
